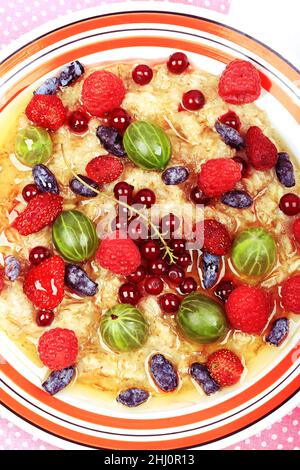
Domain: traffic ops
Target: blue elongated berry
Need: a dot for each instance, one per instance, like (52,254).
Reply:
(279,331)
(58,380)
(210,268)
(163,373)
(237,199)
(81,189)
(45,179)
(285,170)
(201,375)
(49,87)
(79,282)
(12,268)
(133,397)
(229,135)
(70,73)
(175,175)
(111,140)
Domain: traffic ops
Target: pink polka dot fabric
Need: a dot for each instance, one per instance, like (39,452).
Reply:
(18,17)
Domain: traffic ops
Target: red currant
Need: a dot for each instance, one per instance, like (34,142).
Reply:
(153,285)
(178,246)
(138,275)
(169,224)
(193,100)
(177,63)
(290,204)
(231,119)
(150,250)
(123,190)
(142,74)
(145,197)
(38,254)
(157,266)
(175,274)
(224,289)
(29,192)
(198,197)
(243,164)
(119,119)
(44,317)
(129,293)
(188,285)
(169,303)
(78,121)
(137,230)
(184,260)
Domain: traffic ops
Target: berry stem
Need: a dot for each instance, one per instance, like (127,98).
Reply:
(167,250)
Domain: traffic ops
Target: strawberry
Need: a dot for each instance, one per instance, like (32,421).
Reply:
(225,367)
(248,309)
(104,169)
(102,91)
(46,111)
(119,255)
(58,348)
(290,294)
(240,83)
(260,150)
(217,240)
(218,176)
(44,284)
(41,211)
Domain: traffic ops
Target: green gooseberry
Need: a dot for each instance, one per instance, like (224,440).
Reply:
(74,236)
(254,252)
(201,319)
(147,145)
(33,145)
(123,328)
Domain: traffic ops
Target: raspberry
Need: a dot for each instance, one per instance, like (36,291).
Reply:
(58,348)
(46,111)
(296,229)
(261,152)
(41,211)
(218,176)
(104,169)
(240,83)
(225,367)
(119,255)
(102,91)
(248,309)
(44,284)
(217,240)
(290,294)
